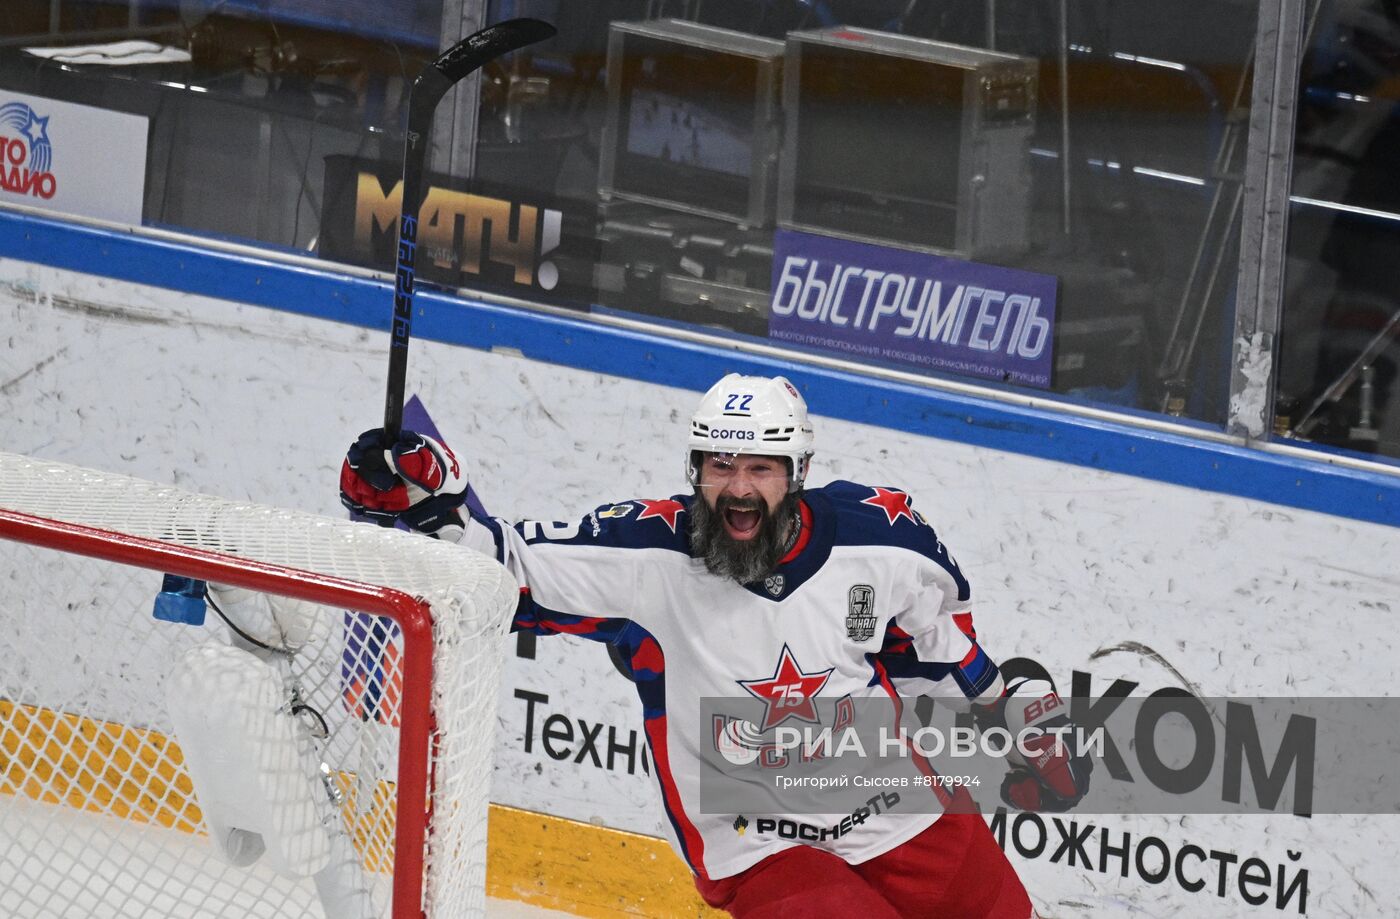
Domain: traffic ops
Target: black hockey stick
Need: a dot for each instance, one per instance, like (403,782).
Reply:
(470,54)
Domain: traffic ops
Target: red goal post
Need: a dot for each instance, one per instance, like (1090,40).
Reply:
(409,770)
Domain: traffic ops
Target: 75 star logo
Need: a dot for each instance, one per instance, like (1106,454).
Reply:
(789,692)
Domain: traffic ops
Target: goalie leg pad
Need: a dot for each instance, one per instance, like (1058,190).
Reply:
(250,760)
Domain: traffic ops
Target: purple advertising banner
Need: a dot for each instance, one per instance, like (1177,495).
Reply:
(913,308)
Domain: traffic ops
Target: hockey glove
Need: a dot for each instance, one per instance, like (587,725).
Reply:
(415,479)
(1046,775)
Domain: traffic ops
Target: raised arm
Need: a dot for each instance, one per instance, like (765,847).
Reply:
(572,575)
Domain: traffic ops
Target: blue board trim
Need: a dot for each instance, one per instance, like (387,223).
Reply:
(576,342)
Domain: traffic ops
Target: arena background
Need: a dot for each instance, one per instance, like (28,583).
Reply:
(1103,552)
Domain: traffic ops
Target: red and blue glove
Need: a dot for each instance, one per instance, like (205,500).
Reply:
(414,479)
(1048,775)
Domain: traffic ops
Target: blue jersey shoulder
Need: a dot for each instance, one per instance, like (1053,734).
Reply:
(880,515)
(639,523)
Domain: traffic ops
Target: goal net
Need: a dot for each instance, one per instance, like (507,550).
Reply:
(386,707)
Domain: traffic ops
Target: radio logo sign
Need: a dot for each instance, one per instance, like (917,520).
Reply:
(72,159)
(26,154)
(913,308)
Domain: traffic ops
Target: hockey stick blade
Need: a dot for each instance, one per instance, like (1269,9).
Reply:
(462,59)
(476,50)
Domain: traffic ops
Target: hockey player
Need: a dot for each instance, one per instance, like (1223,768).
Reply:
(755,586)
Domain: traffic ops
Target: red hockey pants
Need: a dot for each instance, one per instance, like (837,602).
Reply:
(952,870)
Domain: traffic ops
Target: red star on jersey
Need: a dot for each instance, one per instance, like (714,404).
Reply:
(895,504)
(667,510)
(789,692)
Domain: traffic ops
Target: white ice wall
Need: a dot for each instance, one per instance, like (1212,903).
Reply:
(1105,575)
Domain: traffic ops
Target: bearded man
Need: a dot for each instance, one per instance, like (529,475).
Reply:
(755,586)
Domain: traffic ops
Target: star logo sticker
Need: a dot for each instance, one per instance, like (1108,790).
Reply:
(37,129)
(668,510)
(789,693)
(895,504)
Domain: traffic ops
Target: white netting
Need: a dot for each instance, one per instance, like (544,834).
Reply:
(97,813)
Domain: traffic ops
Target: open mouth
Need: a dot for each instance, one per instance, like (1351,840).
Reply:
(742,522)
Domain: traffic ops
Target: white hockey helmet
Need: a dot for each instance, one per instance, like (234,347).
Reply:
(756,415)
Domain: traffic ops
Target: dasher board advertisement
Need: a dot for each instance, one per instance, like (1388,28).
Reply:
(73,159)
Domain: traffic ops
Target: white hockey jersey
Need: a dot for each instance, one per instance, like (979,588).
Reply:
(867,604)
